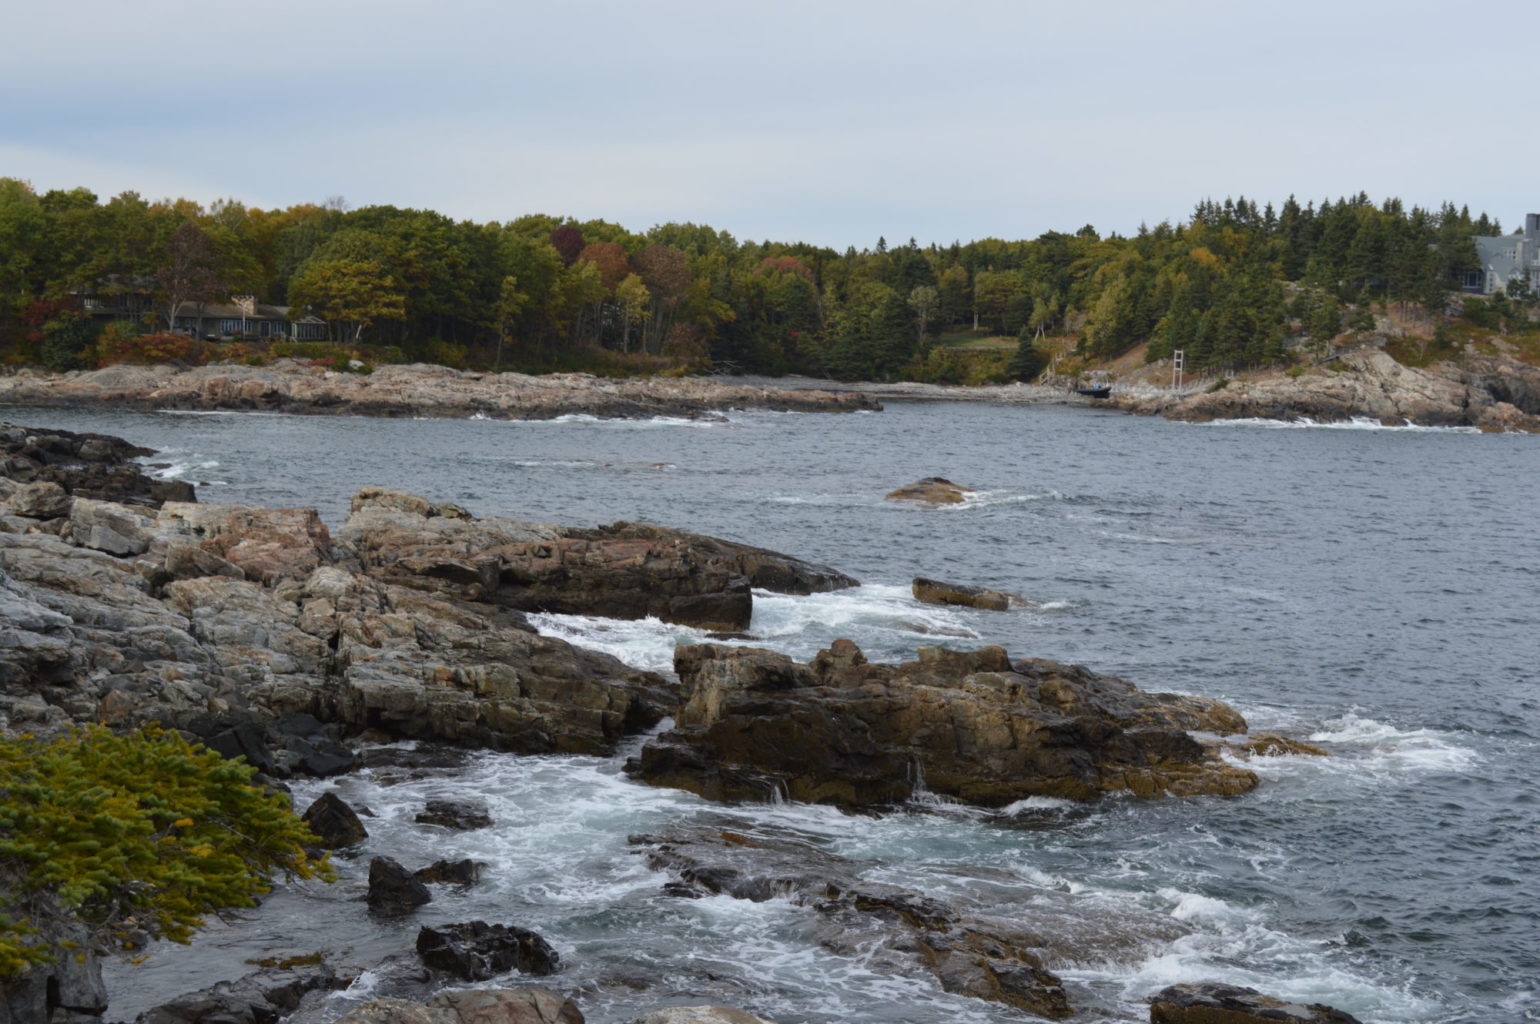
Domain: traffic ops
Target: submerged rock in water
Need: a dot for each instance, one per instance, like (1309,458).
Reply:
(262,997)
(476,951)
(1214,1003)
(394,890)
(971,725)
(890,927)
(932,490)
(459,815)
(936,592)
(458,872)
(334,823)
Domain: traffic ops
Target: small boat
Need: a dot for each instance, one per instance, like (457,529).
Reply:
(1103,391)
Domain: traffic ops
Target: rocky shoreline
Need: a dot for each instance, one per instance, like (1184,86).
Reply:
(1488,393)
(262,633)
(417,390)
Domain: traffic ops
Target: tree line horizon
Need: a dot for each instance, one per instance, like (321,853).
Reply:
(1228,286)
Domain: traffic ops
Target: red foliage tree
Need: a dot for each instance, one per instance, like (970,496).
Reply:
(612,261)
(568,241)
(784,264)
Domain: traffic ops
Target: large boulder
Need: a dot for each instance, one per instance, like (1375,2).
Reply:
(393,890)
(889,927)
(267,545)
(972,725)
(1214,1003)
(931,490)
(333,822)
(936,592)
(420,666)
(532,1005)
(765,569)
(476,951)
(451,872)
(397,1011)
(624,570)
(262,997)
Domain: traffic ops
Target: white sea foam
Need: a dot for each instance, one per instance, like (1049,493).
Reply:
(178,469)
(1356,423)
(644,643)
(1385,746)
(649,423)
(891,622)
(1195,908)
(1235,946)
(1037,803)
(883,614)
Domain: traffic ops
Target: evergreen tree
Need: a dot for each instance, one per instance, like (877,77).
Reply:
(1028,360)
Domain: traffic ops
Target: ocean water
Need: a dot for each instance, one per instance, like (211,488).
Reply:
(1374,590)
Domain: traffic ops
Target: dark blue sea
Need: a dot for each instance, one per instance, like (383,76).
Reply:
(1376,591)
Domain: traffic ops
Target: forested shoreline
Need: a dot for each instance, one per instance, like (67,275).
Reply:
(1232,287)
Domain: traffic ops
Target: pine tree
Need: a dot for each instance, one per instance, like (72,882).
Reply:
(1028,361)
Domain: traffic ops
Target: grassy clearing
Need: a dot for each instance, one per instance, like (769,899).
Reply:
(970,339)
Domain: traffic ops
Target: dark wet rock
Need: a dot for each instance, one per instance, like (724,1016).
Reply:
(895,928)
(936,592)
(700,1015)
(392,888)
(532,1005)
(476,951)
(232,734)
(451,872)
(765,569)
(972,725)
(459,815)
(334,823)
(262,997)
(1214,1003)
(625,570)
(91,466)
(932,490)
(310,747)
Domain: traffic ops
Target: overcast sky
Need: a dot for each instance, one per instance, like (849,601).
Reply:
(830,122)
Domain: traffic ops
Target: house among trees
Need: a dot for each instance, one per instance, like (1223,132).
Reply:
(242,317)
(245,317)
(1504,258)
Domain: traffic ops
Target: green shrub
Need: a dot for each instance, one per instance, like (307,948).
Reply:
(137,833)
